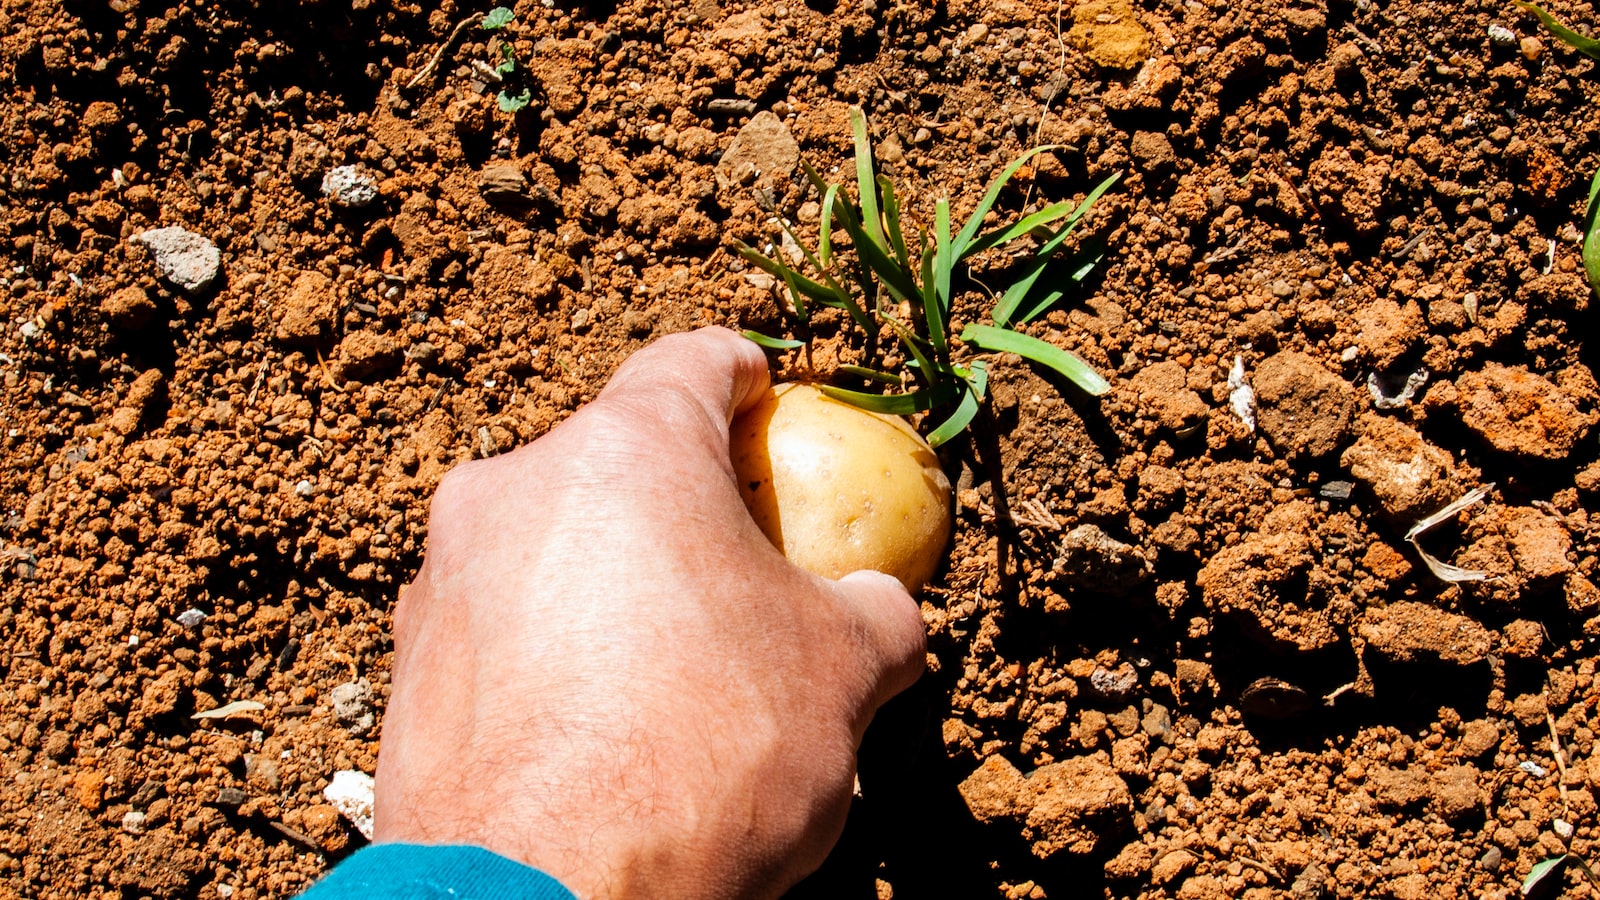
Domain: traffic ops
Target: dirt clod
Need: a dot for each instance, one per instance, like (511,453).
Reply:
(1520,412)
(1302,407)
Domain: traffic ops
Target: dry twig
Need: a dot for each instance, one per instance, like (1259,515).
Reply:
(438,55)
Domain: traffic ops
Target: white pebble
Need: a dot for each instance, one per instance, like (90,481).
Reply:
(349,186)
(184,258)
(1241,396)
(351,793)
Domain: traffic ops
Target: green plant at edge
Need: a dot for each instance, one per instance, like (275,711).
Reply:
(496,19)
(1591,236)
(1548,866)
(886,270)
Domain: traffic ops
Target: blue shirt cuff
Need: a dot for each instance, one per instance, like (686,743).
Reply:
(419,872)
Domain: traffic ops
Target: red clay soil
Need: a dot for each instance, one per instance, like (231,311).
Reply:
(1196,655)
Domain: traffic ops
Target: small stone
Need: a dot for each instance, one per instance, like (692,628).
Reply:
(349,186)
(321,823)
(1478,737)
(1408,630)
(1531,48)
(351,793)
(1109,33)
(1113,684)
(1274,698)
(1491,859)
(502,183)
(350,705)
(1093,560)
(764,149)
(1336,490)
(1502,36)
(261,771)
(188,260)
(1157,722)
(191,618)
(231,796)
(1409,476)
(133,822)
(1173,866)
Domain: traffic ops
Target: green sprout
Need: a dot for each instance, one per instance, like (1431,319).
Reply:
(510,103)
(888,270)
(496,19)
(1549,866)
(1589,47)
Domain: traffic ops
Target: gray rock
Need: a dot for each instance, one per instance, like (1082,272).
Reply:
(1502,35)
(1091,559)
(1113,684)
(502,184)
(188,260)
(349,186)
(351,705)
(1157,722)
(191,618)
(762,151)
(1336,490)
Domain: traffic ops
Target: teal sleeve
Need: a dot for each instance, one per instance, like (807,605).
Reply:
(417,872)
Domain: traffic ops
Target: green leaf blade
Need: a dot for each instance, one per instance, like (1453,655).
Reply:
(1586,45)
(1025,225)
(510,103)
(871,375)
(1540,871)
(1591,235)
(943,260)
(891,219)
(771,343)
(888,404)
(1068,364)
(975,221)
(971,398)
(866,182)
(876,258)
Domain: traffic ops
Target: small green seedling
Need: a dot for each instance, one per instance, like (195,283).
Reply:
(1549,866)
(1589,47)
(495,20)
(886,270)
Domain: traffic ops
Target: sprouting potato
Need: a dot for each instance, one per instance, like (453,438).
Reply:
(837,488)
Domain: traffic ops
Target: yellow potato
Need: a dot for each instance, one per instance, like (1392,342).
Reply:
(837,488)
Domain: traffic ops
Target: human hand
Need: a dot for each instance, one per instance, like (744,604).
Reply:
(605,670)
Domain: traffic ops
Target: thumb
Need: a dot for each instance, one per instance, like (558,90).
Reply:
(889,625)
(699,377)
